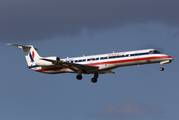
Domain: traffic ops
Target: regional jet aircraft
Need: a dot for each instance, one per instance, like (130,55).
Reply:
(95,64)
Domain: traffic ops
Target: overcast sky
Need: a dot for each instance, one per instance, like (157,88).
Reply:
(39,19)
(71,28)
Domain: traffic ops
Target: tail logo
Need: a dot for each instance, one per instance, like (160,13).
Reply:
(32,56)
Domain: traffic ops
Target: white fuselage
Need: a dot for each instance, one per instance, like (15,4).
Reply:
(107,62)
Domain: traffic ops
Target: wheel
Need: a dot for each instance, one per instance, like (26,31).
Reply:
(94,80)
(161,69)
(79,77)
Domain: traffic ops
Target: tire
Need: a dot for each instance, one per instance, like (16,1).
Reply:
(93,80)
(79,77)
(161,69)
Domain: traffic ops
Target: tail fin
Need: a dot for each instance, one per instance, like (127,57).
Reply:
(30,52)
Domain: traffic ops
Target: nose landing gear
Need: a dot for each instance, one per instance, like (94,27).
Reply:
(161,69)
(164,62)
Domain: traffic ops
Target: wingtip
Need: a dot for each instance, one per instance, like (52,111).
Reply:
(13,44)
(9,44)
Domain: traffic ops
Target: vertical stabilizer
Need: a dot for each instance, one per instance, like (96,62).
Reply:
(30,52)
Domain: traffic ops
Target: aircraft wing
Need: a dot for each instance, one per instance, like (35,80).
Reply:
(73,66)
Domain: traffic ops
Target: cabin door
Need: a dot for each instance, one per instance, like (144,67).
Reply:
(136,58)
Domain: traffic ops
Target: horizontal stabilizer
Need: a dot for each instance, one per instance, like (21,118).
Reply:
(30,52)
(21,46)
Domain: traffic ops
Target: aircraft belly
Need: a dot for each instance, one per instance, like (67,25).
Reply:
(58,71)
(54,71)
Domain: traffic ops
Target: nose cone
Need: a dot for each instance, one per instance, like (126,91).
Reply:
(170,58)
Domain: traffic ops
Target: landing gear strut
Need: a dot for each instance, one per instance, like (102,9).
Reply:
(94,79)
(79,76)
(164,62)
(161,68)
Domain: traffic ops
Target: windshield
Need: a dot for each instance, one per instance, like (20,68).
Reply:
(154,52)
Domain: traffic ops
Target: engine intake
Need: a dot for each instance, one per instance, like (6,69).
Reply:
(58,59)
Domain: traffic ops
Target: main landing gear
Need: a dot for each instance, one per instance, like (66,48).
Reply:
(79,77)
(93,80)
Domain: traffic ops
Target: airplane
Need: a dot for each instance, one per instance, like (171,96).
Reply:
(94,64)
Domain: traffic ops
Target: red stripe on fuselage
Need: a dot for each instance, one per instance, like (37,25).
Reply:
(47,69)
(111,62)
(130,60)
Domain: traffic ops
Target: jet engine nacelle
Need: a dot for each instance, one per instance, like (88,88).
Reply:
(53,58)
(46,63)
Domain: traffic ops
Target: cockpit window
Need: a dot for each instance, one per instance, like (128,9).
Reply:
(154,52)
(151,52)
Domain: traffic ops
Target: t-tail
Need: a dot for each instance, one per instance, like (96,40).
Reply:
(30,52)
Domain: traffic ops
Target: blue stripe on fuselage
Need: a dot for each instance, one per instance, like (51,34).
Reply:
(34,66)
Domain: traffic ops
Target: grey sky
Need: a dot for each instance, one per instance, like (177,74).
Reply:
(39,19)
